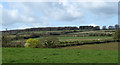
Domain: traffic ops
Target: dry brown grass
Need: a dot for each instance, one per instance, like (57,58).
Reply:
(103,46)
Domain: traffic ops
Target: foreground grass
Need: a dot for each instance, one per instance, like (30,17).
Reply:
(47,55)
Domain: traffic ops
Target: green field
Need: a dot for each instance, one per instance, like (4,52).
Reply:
(82,38)
(49,55)
(74,38)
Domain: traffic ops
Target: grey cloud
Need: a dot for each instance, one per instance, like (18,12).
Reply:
(102,8)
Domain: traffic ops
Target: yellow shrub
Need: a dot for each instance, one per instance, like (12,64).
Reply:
(31,43)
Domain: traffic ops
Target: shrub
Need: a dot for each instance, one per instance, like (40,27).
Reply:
(17,37)
(117,34)
(31,43)
(5,40)
(15,44)
(54,33)
(18,44)
(33,35)
(49,42)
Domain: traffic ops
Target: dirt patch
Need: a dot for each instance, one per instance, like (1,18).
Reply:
(103,46)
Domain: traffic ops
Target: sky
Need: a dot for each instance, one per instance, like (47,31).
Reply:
(21,15)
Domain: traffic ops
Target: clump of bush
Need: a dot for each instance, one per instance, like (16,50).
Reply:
(15,44)
(45,42)
(31,43)
(33,35)
(55,33)
(100,34)
(49,42)
(17,37)
(117,34)
(5,40)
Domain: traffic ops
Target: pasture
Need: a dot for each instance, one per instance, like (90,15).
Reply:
(103,46)
(71,38)
(51,55)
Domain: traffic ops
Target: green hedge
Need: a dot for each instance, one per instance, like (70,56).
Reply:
(74,43)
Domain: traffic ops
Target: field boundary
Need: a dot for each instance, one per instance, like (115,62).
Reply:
(84,43)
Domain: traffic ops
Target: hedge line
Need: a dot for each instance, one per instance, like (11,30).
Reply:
(65,43)
(75,43)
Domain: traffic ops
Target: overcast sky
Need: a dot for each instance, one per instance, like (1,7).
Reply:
(21,15)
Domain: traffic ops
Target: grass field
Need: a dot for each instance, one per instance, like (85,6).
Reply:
(81,38)
(49,55)
(73,38)
(103,46)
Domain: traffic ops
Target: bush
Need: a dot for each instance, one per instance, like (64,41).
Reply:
(31,43)
(33,35)
(17,37)
(49,42)
(5,40)
(18,44)
(15,44)
(117,34)
(54,33)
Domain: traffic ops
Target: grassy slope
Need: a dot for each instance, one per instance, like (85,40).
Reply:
(95,37)
(74,38)
(103,46)
(81,38)
(45,55)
